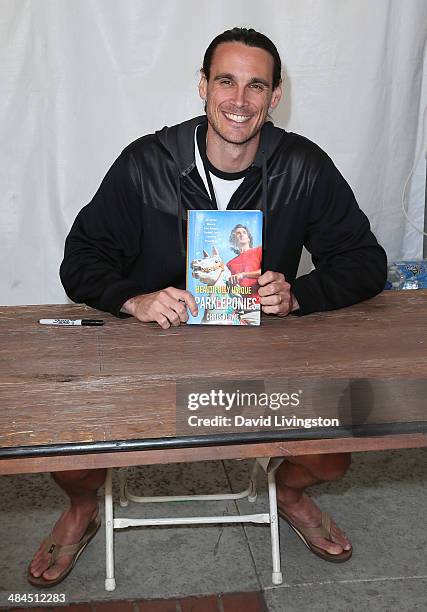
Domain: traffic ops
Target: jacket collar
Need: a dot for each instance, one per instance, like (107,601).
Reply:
(179,141)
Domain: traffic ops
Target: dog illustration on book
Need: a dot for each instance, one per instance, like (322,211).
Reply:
(218,297)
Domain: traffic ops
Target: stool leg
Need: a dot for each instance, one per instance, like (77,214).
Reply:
(110,582)
(277,577)
(252,483)
(123,475)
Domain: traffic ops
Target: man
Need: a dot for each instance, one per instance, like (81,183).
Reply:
(245,268)
(125,252)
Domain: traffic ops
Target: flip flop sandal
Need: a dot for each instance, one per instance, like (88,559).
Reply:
(58,550)
(323,531)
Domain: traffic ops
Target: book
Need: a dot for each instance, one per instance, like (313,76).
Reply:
(224,257)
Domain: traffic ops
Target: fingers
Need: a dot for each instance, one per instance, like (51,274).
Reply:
(169,308)
(275,294)
(274,288)
(281,310)
(277,305)
(185,296)
(166,307)
(272,300)
(272,282)
(166,317)
(270,277)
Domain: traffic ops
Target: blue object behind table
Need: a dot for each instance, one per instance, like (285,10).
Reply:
(408,274)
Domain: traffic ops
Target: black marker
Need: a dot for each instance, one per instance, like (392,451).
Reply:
(71,322)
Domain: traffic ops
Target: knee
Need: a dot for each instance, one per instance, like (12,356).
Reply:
(69,477)
(334,466)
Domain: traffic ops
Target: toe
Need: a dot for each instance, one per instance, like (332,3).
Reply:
(56,569)
(51,574)
(37,557)
(340,538)
(331,547)
(39,562)
(34,572)
(37,568)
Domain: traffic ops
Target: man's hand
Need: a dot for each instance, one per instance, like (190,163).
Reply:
(166,307)
(275,294)
(236,278)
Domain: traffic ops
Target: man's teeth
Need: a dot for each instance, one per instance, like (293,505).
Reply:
(238,118)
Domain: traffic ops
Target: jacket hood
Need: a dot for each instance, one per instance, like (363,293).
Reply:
(179,141)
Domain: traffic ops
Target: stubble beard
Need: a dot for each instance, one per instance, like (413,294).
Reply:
(232,142)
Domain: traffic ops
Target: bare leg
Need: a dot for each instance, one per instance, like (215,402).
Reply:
(297,473)
(81,487)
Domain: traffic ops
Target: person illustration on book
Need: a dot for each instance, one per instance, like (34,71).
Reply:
(125,253)
(245,268)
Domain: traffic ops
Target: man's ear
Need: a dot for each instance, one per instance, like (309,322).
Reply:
(277,94)
(203,86)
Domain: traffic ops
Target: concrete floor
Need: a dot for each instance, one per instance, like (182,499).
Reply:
(381,504)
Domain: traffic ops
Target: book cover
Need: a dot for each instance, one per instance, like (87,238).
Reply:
(224,256)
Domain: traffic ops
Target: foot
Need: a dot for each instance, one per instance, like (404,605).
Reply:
(69,529)
(305,513)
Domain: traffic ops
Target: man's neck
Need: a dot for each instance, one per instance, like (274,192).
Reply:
(227,156)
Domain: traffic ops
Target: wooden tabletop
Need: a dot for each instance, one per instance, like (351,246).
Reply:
(88,385)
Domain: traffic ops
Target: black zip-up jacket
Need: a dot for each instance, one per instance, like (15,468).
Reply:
(129,239)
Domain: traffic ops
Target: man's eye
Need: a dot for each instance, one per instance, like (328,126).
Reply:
(225,82)
(257,86)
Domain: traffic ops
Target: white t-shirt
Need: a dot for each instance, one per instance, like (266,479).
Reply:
(223,188)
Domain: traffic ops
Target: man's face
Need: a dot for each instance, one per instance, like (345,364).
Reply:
(239,92)
(242,237)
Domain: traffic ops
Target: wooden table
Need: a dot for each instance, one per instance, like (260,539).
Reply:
(84,397)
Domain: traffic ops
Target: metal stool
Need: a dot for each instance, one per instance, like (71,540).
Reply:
(112,523)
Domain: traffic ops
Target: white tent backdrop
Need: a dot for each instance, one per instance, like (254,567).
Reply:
(80,79)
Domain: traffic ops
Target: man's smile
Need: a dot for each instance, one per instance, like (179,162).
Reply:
(237,118)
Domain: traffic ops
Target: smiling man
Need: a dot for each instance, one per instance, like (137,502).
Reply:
(239,86)
(125,253)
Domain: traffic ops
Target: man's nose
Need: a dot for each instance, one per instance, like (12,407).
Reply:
(240,96)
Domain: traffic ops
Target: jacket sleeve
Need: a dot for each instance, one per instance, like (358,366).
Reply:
(350,265)
(104,240)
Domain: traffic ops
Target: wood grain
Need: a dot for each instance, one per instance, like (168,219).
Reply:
(118,382)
